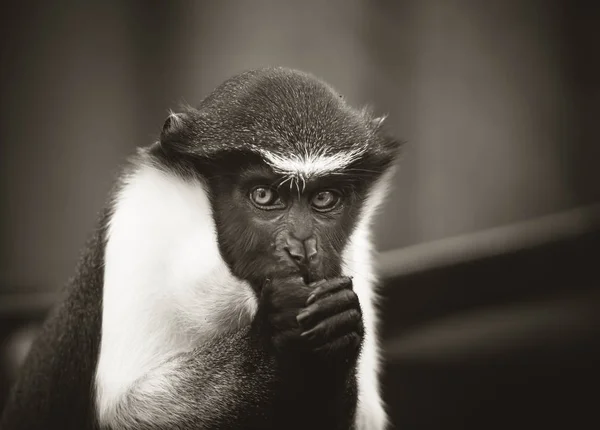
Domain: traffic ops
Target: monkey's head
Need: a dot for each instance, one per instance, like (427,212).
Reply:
(288,166)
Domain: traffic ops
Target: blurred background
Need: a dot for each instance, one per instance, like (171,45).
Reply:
(489,240)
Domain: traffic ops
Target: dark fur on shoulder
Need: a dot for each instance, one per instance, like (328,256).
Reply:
(55,384)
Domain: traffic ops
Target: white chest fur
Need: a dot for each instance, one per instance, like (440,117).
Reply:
(166,287)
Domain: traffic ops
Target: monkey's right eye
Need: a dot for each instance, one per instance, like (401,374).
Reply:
(265,198)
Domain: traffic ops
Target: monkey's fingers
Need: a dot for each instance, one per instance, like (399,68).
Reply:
(330,329)
(328,306)
(328,287)
(345,347)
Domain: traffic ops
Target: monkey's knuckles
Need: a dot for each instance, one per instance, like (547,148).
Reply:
(332,324)
(326,287)
(327,306)
(334,327)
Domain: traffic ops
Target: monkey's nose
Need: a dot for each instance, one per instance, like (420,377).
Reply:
(302,252)
(310,248)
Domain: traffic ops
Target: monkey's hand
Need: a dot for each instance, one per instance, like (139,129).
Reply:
(325,316)
(281,300)
(331,322)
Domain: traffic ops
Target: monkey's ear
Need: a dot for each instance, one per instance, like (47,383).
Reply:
(172,124)
(389,146)
(175,133)
(388,143)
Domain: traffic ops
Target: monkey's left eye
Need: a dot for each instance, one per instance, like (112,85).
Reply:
(265,198)
(325,200)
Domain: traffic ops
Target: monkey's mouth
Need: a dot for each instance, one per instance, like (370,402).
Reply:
(311,274)
(307,277)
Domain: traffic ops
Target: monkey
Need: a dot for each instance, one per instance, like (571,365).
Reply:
(230,282)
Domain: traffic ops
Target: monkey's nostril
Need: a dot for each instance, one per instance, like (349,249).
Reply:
(295,255)
(310,246)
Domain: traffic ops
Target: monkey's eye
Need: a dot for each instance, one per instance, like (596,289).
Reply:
(265,198)
(325,200)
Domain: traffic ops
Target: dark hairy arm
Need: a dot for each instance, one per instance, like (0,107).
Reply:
(52,387)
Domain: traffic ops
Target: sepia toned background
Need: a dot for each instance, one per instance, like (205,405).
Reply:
(497,101)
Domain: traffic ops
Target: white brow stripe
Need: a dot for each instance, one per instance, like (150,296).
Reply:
(309,165)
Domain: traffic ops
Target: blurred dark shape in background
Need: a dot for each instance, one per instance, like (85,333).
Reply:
(490,236)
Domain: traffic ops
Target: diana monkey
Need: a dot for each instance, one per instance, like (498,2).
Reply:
(229,284)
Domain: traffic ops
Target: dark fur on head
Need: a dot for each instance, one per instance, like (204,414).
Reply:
(280,111)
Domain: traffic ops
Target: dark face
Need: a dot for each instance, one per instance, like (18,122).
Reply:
(269,225)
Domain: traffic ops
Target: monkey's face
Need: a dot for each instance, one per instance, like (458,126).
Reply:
(270,225)
(288,164)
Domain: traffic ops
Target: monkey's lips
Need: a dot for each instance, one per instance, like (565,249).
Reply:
(311,275)
(308,274)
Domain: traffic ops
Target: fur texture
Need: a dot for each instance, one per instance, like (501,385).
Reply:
(295,121)
(358,263)
(310,164)
(166,288)
(55,382)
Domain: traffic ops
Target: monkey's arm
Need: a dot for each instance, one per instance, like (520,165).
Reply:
(262,376)
(54,385)
(224,384)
